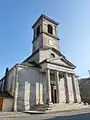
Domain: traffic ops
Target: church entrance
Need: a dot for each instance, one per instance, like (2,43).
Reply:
(53,94)
(53,87)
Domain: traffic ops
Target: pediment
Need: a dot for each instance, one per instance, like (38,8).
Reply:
(61,61)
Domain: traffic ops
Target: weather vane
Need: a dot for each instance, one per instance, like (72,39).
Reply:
(44,12)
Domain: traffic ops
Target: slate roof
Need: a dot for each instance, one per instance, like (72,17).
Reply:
(45,17)
(31,64)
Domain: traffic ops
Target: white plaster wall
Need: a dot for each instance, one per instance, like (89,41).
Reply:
(41,88)
(27,95)
(41,93)
(37,93)
(7,105)
(70,89)
(62,91)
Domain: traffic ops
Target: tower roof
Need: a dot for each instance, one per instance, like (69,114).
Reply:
(45,17)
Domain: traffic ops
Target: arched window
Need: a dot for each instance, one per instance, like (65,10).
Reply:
(52,55)
(50,29)
(38,31)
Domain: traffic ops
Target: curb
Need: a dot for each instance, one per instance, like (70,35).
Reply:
(14,116)
(63,111)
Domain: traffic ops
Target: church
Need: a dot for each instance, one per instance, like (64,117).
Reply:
(44,78)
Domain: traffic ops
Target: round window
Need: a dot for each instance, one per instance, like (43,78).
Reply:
(52,55)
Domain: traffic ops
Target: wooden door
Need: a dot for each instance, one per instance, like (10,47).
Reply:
(53,94)
(55,97)
(1,103)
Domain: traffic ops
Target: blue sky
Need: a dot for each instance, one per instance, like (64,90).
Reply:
(17,17)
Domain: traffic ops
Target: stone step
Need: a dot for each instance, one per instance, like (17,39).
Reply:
(67,107)
(34,112)
(59,107)
(41,107)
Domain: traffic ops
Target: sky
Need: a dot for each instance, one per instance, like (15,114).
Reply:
(17,17)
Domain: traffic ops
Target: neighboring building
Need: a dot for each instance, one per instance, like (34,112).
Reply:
(84,84)
(46,77)
(6,99)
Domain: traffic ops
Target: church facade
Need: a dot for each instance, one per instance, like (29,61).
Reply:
(46,77)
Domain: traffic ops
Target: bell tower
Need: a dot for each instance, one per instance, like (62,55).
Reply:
(45,34)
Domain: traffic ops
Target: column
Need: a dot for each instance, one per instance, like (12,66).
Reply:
(78,97)
(41,93)
(27,96)
(74,91)
(66,88)
(37,93)
(57,86)
(48,85)
(41,89)
(16,97)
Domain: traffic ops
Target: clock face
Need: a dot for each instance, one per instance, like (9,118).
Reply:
(51,42)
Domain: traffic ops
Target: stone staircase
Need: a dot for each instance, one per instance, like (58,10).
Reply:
(41,107)
(67,107)
(59,107)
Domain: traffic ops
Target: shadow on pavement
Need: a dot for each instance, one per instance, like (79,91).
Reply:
(72,117)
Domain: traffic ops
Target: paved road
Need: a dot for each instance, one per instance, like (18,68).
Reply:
(48,117)
(74,115)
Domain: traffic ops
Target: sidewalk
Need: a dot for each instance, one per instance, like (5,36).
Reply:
(12,114)
(63,113)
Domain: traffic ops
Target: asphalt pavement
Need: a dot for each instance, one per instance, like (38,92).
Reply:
(71,115)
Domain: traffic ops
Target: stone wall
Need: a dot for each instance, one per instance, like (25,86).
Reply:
(62,90)
(28,90)
(84,85)
(35,58)
(70,88)
(11,81)
(45,54)
(45,29)
(49,41)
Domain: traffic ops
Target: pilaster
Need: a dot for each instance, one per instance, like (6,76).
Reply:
(48,85)
(74,90)
(66,88)
(77,90)
(70,88)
